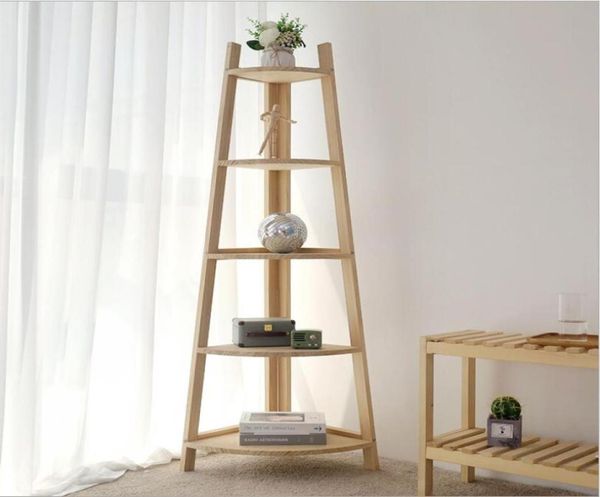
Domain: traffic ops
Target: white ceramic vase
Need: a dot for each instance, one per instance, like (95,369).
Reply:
(278,57)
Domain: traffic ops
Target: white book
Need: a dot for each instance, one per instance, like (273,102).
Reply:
(273,439)
(282,423)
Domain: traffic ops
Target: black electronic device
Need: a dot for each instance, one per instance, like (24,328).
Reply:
(262,332)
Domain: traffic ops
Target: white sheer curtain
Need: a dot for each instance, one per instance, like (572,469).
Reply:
(107,123)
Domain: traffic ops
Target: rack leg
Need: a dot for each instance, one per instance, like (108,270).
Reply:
(359,364)
(188,459)
(467,473)
(349,272)
(371,458)
(188,455)
(425,476)
(207,278)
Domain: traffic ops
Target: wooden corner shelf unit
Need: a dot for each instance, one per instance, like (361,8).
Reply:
(277,173)
(546,458)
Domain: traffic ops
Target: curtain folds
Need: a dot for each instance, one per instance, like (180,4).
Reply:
(107,115)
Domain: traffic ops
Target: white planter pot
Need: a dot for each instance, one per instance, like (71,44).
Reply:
(278,57)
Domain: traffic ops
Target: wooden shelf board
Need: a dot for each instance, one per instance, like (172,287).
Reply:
(528,460)
(261,253)
(230,443)
(278,75)
(506,347)
(234,350)
(279,164)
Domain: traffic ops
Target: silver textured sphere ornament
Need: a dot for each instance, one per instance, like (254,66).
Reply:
(282,233)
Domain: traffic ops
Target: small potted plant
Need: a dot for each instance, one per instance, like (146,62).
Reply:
(504,425)
(278,40)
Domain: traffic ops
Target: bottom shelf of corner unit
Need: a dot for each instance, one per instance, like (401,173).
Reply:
(546,458)
(229,442)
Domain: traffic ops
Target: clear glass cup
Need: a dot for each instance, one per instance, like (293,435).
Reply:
(571,312)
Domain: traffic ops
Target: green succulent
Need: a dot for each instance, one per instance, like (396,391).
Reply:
(506,408)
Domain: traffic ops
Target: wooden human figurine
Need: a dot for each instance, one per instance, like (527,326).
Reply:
(272,119)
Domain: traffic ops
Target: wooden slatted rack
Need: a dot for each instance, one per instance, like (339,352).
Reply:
(546,458)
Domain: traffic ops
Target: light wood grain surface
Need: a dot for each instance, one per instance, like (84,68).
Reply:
(230,443)
(504,346)
(277,173)
(261,253)
(279,74)
(234,350)
(546,458)
(279,164)
(208,274)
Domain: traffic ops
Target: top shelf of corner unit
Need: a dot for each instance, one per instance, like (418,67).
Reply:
(279,75)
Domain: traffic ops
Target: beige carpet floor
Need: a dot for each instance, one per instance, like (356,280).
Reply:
(333,475)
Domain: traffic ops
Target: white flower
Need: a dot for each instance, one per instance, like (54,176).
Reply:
(268,36)
(268,25)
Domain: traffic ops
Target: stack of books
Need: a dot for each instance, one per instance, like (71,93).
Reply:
(283,428)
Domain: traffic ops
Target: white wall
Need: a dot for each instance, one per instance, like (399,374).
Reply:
(471,139)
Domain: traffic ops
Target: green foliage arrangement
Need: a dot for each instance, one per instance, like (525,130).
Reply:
(506,408)
(285,33)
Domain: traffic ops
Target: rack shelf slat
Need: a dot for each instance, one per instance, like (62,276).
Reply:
(571,455)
